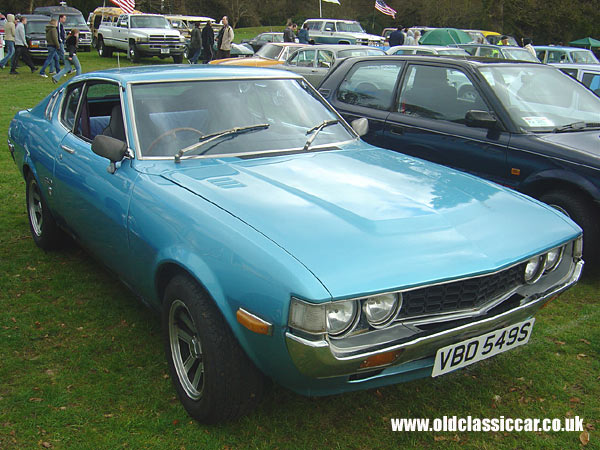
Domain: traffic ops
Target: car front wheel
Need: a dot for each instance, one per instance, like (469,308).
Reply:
(582,212)
(46,233)
(214,379)
(133,53)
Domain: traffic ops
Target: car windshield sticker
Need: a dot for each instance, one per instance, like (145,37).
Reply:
(538,121)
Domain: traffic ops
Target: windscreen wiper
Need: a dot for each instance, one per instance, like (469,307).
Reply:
(576,126)
(316,129)
(219,134)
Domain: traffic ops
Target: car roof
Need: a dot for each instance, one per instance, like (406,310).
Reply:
(333,20)
(460,60)
(36,17)
(185,72)
(559,47)
(421,47)
(340,47)
(56,10)
(587,67)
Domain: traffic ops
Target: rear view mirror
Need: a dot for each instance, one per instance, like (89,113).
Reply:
(480,119)
(361,126)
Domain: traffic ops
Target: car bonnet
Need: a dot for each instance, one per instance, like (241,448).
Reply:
(375,220)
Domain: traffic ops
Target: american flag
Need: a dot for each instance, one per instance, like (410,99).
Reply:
(385,9)
(126,5)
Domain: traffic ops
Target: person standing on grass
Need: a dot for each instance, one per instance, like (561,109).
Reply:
(303,36)
(53,46)
(225,39)
(70,60)
(9,38)
(208,40)
(62,36)
(195,44)
(21,49)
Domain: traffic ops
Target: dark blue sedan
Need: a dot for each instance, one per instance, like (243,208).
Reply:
(527,126)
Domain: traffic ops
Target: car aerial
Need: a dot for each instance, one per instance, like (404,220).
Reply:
(74,19)
(35,30)
(425,50)
(274,241)
(263,38)
(314,62)
(587,74)
(269,55)
(499,51)
(336,31)
(524,125)
(558,54)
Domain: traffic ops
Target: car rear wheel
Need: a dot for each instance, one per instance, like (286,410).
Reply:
(46,233)
(214,379)
(583,212)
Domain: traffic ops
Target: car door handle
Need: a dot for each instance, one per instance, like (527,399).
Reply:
(67,149)
(396,130)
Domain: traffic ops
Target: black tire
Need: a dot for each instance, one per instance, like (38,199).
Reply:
(583,212)
(195,333)
(103,50)
(177,59)
(133,53)
(44,230)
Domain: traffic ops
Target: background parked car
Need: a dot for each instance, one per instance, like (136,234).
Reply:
(499,51)
(494,37)
(269,55)
(524,125)
(587,74)
(103,14)
(425,50)
(555,54)
(336,31)
(263,38)
(35,30)
(314,62)
(74,20)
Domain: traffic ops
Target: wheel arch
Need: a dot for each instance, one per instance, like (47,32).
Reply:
(543,182)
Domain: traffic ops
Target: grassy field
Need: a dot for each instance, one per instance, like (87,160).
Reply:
(82,365)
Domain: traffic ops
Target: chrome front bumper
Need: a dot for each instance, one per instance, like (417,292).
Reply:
(322,359)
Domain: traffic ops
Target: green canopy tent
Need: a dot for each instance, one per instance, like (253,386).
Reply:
(445,36)
(587,42)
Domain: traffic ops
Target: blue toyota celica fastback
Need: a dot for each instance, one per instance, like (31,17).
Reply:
(275,242)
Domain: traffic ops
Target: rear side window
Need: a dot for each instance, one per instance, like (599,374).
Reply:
(70,106)
(592,81)
(370,85)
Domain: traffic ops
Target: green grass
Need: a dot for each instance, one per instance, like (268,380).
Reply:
(82,365)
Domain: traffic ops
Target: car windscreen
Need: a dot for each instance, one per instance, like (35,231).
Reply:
(584,56)
(452,51)
(34,27)
(518,54)
(149,22)
(269,51)
(74,21)
(350,27)
(171,116)
(360,52)
(541,98)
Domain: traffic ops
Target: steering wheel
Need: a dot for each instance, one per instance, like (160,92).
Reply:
(170,132)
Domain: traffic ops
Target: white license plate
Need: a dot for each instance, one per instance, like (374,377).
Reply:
(164,50)
(482,347)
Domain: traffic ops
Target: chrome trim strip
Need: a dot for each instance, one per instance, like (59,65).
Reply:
(320,359)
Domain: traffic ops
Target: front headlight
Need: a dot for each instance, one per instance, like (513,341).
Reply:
(340,316)
(534,269)
(553,258)
(379,309)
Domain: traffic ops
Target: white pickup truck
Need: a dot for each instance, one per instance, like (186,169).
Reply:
(141,35)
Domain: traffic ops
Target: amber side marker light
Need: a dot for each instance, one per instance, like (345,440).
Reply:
(381,359)
(515,171)
(253,323)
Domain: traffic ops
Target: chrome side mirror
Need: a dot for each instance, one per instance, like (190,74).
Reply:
(361,126)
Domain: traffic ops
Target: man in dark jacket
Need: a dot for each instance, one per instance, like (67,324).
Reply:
(53,46)
(62,37)
(208,40)
(397,37)
(195,44)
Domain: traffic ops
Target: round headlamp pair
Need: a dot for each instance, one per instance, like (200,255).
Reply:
(545,263)
(378,310)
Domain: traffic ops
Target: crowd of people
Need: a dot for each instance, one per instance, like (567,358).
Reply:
(17,47)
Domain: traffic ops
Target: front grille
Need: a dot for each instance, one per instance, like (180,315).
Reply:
(461,295)
(161,39)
